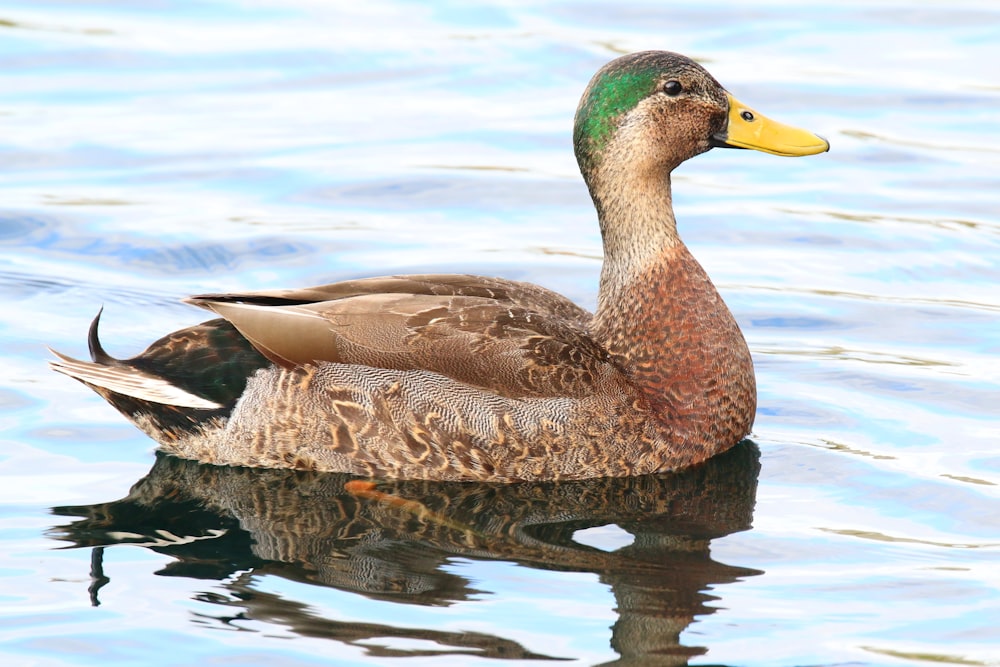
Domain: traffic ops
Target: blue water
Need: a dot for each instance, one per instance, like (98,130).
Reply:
(153,150)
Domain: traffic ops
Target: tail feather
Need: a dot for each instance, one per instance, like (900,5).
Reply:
(97,353)
(126,380)
(183,383)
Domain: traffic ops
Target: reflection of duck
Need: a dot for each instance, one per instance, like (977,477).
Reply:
(461,377)
(393,542)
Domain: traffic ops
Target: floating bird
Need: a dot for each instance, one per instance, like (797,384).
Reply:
(461,377)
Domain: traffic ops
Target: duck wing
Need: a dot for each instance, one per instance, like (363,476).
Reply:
(513,292)
(510,338)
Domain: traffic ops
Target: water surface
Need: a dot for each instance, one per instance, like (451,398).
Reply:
(153,151)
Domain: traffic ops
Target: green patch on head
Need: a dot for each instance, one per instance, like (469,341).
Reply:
(610,94)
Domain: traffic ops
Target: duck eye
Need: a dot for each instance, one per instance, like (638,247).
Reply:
(747,116)
(673,88)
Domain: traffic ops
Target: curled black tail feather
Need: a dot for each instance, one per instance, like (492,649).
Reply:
(97,353)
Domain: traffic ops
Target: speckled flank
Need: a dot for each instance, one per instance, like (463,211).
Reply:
(457,377)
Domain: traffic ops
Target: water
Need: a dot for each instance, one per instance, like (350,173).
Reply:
(152,151)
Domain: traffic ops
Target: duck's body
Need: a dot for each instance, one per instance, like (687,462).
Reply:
(463,377)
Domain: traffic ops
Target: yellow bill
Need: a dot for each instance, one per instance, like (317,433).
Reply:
(749,129)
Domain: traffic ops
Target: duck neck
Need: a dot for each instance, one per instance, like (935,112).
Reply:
(638,229)
(660,316)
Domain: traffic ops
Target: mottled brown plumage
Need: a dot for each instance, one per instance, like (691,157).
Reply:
(463,377)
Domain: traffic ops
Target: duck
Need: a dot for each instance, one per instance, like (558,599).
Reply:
(469,378)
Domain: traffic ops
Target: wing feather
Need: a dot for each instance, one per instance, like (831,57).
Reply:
(504,336)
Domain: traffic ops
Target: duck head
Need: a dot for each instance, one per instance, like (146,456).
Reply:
(653,110)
